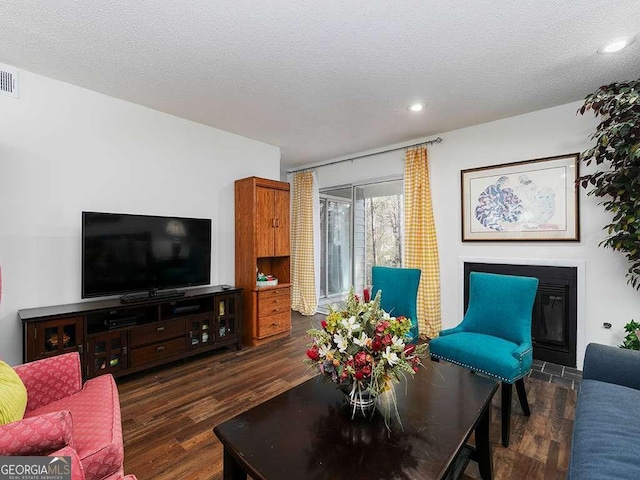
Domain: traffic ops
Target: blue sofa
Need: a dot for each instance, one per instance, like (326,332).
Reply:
(606,432)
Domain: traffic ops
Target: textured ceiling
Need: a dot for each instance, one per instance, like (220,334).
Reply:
(323,79)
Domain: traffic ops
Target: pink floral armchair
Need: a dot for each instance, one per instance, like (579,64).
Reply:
(66,418)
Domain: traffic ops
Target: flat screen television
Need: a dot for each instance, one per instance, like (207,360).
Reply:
(124,253)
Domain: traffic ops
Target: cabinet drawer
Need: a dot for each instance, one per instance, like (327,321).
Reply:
(274,324)
(274,302)
(158,351)
(274,292)
(156,332)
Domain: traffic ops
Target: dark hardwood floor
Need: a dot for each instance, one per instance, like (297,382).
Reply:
(168,413)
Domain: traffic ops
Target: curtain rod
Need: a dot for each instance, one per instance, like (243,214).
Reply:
(428,142)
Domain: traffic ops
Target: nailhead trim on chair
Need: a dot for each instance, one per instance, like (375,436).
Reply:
(522,355)
(469,367)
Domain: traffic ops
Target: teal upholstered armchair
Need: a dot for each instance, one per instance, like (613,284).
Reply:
(494,337)
(399,293)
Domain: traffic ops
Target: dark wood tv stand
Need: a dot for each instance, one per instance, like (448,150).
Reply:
(122,338)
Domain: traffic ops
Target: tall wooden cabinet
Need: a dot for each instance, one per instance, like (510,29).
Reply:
(263,244)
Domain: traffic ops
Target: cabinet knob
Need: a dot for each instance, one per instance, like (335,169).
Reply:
(160,348)
(160,329)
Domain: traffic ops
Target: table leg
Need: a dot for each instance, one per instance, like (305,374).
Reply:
(232,470)
(483,445)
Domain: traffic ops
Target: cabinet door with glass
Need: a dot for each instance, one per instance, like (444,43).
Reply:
(226,309)
(106,353)
(200,334)
(55,337)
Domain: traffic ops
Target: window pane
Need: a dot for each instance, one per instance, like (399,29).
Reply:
(338,235)
(383,212)
(323,247)
(335,250)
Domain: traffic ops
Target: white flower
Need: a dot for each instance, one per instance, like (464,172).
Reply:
(390,357)
(362,340)
(323,350)
(341,342)
(397,343)
(351,325)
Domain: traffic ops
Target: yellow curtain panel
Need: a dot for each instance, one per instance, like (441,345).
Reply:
(303,289)
(421,247)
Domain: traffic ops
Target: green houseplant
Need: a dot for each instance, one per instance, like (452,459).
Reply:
(631,340)
(617,146)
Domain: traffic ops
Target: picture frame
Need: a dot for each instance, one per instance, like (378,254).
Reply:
(532,200)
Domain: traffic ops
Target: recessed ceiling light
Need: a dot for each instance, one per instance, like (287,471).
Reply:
(616,46)
(416,107)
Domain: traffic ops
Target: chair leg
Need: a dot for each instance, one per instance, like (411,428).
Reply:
(522,396)
(506,413)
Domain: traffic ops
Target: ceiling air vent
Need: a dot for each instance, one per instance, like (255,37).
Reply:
(8,81)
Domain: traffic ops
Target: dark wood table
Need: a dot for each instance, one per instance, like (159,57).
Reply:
(307,432)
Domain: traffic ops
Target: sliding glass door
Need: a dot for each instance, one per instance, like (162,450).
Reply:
(335,253)
(361,226)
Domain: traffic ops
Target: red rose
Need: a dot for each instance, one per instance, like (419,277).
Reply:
(359,375)
(313,354)
(376,344)
(367,295)
(386,340)
(361,358)
(324,324)
(382,326)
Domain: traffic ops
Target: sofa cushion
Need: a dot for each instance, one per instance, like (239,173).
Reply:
(97,427)
(13,395)
(50,379)
(606,432)
(37,435)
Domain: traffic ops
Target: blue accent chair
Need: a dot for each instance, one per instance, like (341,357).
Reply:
(399,293)
(494,337)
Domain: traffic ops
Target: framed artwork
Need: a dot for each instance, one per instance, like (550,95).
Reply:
(531,200)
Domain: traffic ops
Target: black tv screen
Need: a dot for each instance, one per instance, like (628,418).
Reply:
(124,253)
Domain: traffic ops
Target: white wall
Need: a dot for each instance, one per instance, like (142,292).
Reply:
(545,133)
(64,149)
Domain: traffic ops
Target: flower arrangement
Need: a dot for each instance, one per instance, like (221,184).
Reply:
(363,349)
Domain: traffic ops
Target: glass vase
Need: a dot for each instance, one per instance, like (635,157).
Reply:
(361,403)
